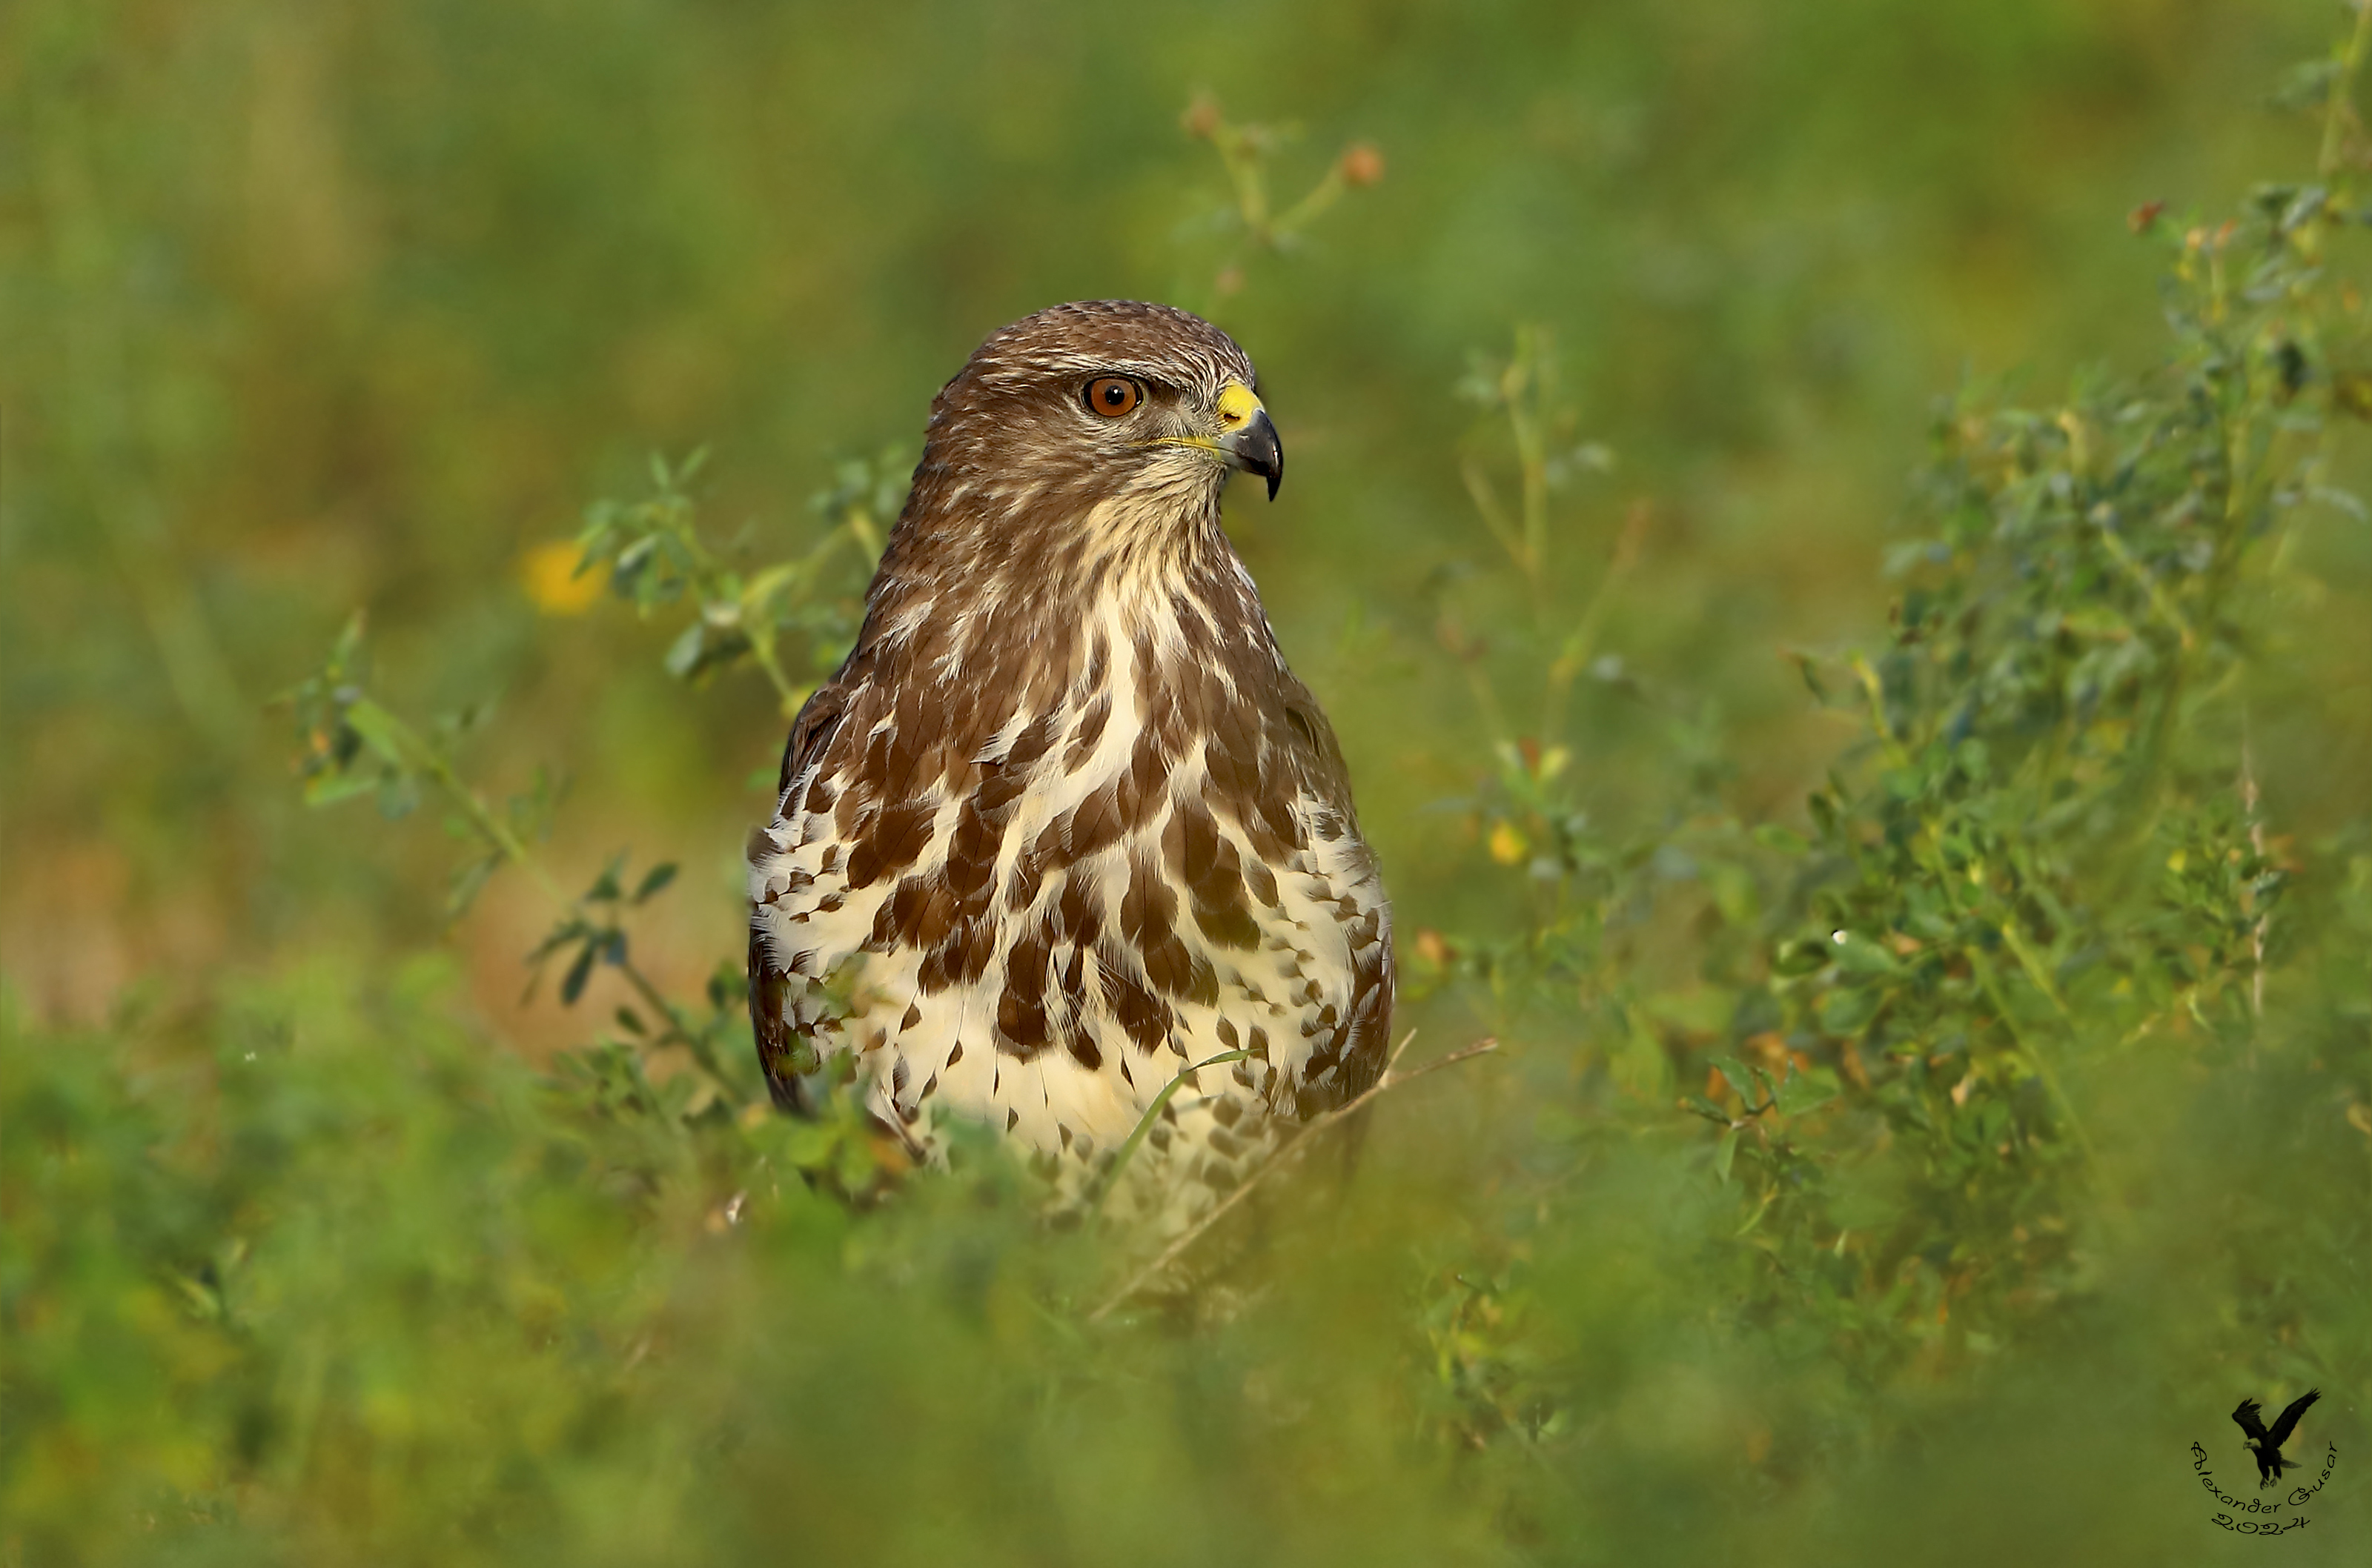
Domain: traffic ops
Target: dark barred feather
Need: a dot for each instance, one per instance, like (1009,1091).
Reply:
(1063,824)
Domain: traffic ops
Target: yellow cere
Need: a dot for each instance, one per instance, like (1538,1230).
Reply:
(1238,404)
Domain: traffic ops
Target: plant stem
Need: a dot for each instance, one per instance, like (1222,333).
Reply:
(2042,1064)
(499,834)
(762,648)
(1323,195)
(1286,1153)
(1583,641)
(1145,1124)
(481,817)
(2343,89)
(690,1038)
(1486,501)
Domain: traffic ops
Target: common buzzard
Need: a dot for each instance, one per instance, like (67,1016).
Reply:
(1064,825)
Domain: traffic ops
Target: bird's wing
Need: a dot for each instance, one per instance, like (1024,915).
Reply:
(818,717)
(1348,1065)
(2250,1427)
(769,1021)
(2288,1421)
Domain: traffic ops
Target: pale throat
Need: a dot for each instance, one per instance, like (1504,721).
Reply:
(1124,560)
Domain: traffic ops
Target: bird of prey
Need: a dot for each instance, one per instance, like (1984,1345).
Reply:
(1063,827)
(2267,1445)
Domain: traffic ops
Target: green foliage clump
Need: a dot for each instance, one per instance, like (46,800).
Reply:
(1839,1170)
(656,557)
(2048,854)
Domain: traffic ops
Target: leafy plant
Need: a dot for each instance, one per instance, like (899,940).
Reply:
(2040,866)
(1248,219)
(655,559)
(1833,1163)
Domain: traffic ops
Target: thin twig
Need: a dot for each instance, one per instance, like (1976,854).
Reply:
(2030,962)
(678,1027)
(427,759)
(440,769)
(1583,641)
(1897,750)
(2336,108)
(1284,1155)
(2250,803)
(2160,600)
(1486,502)
(1527,388)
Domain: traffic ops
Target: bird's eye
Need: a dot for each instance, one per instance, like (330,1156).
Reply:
(1112,396)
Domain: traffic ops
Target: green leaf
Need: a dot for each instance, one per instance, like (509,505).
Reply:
(1857,954)
(1702,1010)
(1733,892)
(683,654)
(380,731)
(1802,1092)
(656,879)
(606,887)
(627,572)
(327,789)
(348,646)
(1847,1011)
(399,795)
(858,1164)
(468,882)
(1724,1153)
(1641,1065)
(561,935)
(572,986)
(728,984)
(1786,840)
(1741,1078)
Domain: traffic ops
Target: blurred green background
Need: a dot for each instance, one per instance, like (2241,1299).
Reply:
(310,308)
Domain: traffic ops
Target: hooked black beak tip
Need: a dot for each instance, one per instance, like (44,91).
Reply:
(1258,449)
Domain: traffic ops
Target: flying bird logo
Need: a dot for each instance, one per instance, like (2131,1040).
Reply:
(2267,1445)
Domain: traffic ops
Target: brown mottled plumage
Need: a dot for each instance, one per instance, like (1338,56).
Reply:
(1063,824)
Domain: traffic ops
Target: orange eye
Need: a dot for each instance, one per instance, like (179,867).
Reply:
(1112,396)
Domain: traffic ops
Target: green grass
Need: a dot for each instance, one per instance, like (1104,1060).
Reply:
(1926,921)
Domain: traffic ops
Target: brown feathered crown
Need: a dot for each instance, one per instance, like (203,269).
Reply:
(1017,458)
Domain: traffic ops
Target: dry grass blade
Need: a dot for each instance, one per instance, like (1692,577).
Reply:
(1392,1078)
(1110,1182)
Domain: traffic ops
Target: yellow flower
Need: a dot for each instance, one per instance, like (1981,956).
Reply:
(1508,846)
(550,574)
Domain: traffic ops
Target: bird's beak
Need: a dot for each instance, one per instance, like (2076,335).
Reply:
(1249,440)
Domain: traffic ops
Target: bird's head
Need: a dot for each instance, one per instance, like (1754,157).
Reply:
(1108,420)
